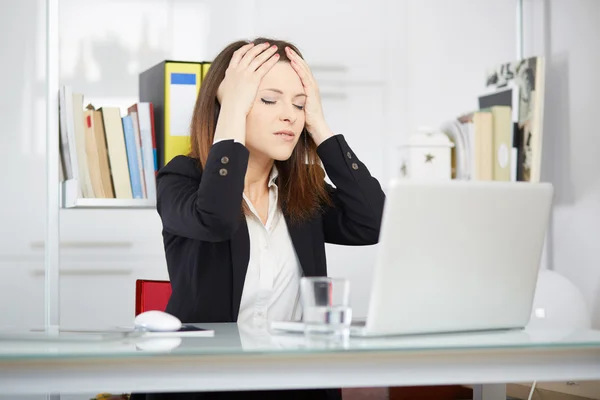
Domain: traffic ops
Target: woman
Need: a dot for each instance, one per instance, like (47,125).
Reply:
(248,211)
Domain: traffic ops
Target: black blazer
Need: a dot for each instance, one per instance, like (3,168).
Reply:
(208,248)
(206,238)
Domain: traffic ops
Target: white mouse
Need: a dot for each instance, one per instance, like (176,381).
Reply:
(157,321)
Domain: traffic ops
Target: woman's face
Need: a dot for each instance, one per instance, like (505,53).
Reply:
(276,119)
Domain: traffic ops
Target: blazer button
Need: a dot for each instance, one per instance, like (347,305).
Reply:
(223,172)
(224,160)
(349,155)
(354,166)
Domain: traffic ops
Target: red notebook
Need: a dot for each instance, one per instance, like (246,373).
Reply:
(151,295)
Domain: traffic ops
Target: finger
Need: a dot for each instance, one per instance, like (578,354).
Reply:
(291,52)
(300,66)
(261,58)
(238,54)
(251,54)
(295,57)
(267,65)
(304,77)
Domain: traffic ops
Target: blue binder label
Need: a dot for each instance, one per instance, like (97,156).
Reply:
(183,79)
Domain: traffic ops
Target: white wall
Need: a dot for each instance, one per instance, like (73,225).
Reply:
(568,34)
(447,47)
(390,65)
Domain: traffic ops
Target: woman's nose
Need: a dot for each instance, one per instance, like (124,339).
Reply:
(287,113)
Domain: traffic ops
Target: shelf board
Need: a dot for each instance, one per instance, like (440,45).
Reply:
(70,199)
(110,203)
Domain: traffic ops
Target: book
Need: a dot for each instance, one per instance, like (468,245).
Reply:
(141,114)
(132,158)
(501,142)
(92,153)
(117,153)
(529,76)
(85,181)
(508,96)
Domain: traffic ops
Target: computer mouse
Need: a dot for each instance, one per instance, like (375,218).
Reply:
(156,321)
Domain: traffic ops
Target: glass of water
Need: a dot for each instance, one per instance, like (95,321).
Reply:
(326,308)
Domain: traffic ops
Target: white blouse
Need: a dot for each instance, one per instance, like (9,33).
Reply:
(271,287)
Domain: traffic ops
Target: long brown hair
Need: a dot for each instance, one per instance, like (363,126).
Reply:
(302,189)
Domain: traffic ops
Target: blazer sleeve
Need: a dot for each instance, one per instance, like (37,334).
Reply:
(203,205)
(355,217)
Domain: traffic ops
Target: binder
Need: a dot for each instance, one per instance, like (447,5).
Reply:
(205,67)
(172,87)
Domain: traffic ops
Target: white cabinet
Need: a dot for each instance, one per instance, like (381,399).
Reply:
(104,295)
(21,295)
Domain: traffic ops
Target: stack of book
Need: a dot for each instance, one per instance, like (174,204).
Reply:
(502,139)
(105,154)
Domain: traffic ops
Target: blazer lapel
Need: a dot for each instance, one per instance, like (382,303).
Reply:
(301,239)
(240,255)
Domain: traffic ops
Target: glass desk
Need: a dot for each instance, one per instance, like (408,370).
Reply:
(236,358)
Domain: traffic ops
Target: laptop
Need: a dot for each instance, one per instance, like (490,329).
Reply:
(454,256)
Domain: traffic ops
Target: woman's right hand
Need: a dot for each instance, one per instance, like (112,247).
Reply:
(248,65)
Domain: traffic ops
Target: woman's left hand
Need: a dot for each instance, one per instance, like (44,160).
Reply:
(315,121)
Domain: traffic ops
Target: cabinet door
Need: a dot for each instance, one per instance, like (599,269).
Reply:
(102,296)
(22,165)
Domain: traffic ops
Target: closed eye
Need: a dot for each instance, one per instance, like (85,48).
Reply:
(269,102)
